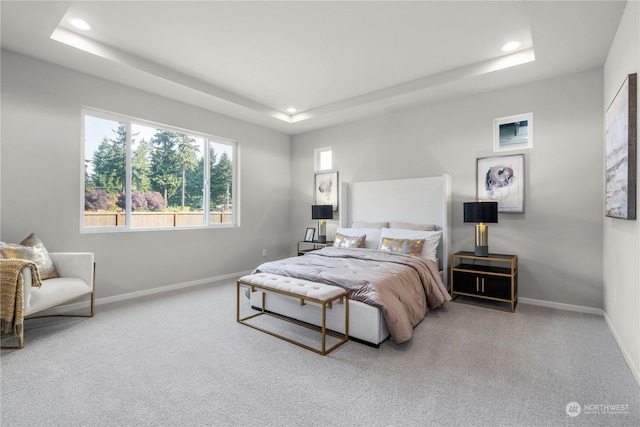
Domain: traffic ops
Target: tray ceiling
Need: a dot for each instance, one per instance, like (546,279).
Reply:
(332,61)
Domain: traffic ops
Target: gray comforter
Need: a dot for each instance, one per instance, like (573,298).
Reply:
(403,286)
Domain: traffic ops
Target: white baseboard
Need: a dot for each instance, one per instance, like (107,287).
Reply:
(122,297)
(561,306)
(635,370)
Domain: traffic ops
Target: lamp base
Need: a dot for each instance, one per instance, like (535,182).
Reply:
(482,240)
(481,251)
(322,231)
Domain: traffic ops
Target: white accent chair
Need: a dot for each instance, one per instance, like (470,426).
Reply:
(77,280)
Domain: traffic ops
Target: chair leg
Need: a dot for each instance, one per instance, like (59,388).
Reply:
(93,303)
(93,292)
(15,347)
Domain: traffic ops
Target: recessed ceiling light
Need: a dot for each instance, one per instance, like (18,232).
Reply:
(512,45)
(80,24)
(291,110)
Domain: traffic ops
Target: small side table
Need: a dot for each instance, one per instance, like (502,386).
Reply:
(304,247)
(492,280)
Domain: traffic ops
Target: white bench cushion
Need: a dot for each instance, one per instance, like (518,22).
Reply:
(291,285)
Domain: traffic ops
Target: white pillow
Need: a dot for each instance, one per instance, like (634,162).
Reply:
(372,240)
(412,226)
(431,239)
(366,224)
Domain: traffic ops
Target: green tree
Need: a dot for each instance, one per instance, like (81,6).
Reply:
(165,163)
(213,159)
(195,185)
(221,179)
(109,163)
(88,182)
(141,167)
(187,151)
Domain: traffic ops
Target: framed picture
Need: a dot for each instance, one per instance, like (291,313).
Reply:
(620,152)
(513,133)
(326,189)
(308,236)
(501,179)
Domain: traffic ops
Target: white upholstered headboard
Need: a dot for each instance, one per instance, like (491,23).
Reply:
(416,200)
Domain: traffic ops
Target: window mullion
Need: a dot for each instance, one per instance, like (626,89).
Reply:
(206,188)
(128,178)
(235,181)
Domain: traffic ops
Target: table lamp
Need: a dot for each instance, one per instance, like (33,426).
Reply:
(481,213)
(322,213)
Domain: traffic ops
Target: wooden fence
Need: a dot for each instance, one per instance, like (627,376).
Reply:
(154,219)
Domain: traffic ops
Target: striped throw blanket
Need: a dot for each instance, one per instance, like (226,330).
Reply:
(11,294)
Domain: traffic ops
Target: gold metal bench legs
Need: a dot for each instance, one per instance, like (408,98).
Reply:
(340,299)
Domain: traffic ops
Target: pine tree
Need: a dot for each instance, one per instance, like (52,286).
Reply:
(141,167)
(221,176)
(109,163)
(165,164)
(187,151)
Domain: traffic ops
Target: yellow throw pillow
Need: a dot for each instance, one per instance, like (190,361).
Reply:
(32,249)
(403,246)
(342,241)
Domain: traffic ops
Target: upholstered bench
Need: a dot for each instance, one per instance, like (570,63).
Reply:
(308,293)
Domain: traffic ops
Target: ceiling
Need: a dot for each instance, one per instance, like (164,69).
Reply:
(334,61)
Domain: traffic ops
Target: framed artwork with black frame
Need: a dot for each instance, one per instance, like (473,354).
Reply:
(326,189)
(501,179)
(309,234)
(620,152)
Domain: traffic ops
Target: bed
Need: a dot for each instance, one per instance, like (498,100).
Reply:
(399,274)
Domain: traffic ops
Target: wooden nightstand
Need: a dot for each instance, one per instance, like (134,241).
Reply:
(304,247)
(490,281)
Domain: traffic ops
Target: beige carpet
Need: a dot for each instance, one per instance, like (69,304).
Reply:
(180,359)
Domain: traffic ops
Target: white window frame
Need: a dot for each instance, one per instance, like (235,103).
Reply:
(235,188)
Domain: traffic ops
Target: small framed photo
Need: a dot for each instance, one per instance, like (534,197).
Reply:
(308,236)
(513,133)
(326,189)
(501,179)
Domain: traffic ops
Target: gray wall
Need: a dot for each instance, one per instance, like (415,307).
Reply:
(41,173)
(559,237)
(622,237)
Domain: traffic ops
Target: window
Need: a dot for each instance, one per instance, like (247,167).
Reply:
(323,159)
(140,175)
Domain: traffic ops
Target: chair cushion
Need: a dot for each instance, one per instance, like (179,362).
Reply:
(55,291)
